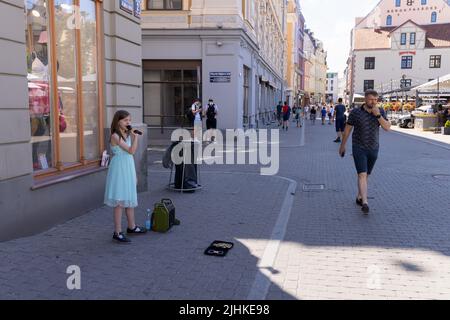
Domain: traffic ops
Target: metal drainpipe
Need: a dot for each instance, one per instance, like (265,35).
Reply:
(283,55)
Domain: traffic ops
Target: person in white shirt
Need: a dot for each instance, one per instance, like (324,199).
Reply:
(331,114)
(198,123)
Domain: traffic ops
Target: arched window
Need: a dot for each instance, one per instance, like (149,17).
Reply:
(434,17)
(398,3)
(389,21)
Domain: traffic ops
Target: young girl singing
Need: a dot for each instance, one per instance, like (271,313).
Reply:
(121,182)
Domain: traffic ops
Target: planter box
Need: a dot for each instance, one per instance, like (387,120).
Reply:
(446,131)
(425,123)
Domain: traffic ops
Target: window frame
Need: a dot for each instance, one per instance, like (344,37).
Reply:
(412,38)
(389,20)
(434,59)
(403,37)
(405,62)
(369,65)
(58,168)
(163,66)
(147,6)
(405,83)
(367,86)
(434,17)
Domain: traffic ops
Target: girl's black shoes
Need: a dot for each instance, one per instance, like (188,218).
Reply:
(137,230)
(120,237)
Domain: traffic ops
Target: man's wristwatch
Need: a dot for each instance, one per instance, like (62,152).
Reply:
(378,116)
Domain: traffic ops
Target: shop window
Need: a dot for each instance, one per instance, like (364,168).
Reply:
(63,86)
(169,89)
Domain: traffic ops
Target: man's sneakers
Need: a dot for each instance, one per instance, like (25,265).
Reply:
(120,238)
(365,209)
(364,206)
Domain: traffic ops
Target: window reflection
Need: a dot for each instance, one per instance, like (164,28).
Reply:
(39,83)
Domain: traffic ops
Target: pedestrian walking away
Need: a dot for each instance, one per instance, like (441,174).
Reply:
(331,115)
(280,113)
(339,120)
(121,181)
(298,116)
(286,116)
(324,115)
(366,122)
(306,112)
(313,115)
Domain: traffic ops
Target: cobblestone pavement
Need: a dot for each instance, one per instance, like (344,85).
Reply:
(329,251)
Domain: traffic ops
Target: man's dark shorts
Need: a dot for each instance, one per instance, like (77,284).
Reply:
(211,124)
(364,159)
(340,124)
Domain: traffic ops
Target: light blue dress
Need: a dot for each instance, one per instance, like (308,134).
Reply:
(121,187)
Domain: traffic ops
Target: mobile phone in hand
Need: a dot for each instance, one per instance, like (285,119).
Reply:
(343,154)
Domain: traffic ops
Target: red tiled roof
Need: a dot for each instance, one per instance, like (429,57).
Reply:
(438,35)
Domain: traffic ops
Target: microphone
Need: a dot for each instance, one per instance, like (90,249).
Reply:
(135,131)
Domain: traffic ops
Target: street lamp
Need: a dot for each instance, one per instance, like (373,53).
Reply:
(403,87)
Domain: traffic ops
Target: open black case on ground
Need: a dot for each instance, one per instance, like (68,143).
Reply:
(219,248)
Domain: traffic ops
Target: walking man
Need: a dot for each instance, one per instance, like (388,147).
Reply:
(286,115)
(331,115)
(313,115)
(366,122)
(211,120)
(324,115)
(339,117)
(279,113)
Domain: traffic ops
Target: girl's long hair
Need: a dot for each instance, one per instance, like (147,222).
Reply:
(120,115)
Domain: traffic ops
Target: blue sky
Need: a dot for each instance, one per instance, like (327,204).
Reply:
(331,22)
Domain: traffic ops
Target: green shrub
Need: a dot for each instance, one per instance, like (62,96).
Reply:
(447,124)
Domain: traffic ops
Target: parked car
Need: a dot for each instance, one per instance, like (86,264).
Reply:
(406,121)
(424,109)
